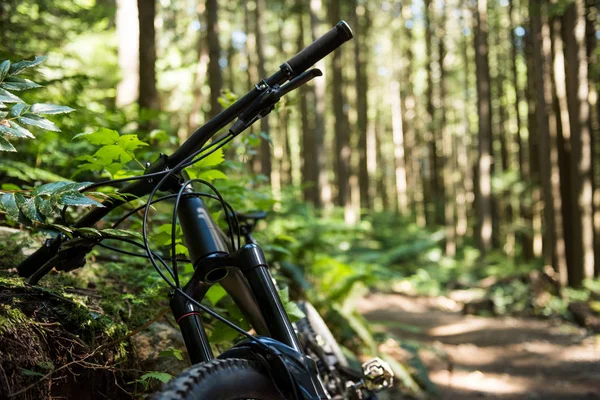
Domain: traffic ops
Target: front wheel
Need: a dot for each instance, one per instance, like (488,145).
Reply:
(227,379)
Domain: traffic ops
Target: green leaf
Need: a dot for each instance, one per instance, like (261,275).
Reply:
(212,175)
(20,66)
(215,293)
(56,188)
(77,199)
(101,137)
(213,159)
(6,146)
(36,120)
(4,67)
(130,142)
(18,109)
(44,206)
(22,131)
(29,210)
(121,233)
(90,232)
(8,97)
(28,372)
(161,376)
(18,84)
(112,152)
(9,186)
(9,205)
(178,354)
(42,108)
(293,311)
(5,130)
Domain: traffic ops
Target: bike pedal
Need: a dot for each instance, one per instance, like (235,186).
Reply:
(377,375)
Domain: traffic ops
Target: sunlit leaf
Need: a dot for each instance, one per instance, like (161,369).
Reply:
(77,199)
(40,122)
(30,211)
(18,84)
(22,131)
(20,66)
(42,108)
(4,67)
(5,145)
(161,376)
(9,205)
(8,97)
(18,109)
(101,137)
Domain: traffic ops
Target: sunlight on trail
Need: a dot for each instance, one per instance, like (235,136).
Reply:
(464,326)
(479,382)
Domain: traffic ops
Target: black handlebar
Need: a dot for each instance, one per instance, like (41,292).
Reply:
(294,67)
(321,47)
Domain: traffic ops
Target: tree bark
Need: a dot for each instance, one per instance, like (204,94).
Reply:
(582,261)
(265,146)
(148,95)
(215,75)
(484,160)
(553,244)
(128,52)
(342,134)
(361,57)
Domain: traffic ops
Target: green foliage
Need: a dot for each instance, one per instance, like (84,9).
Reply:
(44,202)
(115,153)
(20,113)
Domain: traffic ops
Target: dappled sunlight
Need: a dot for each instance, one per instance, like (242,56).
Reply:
(478,382)
(464,326)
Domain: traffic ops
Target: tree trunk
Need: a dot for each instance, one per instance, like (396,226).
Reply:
(582,239)
(409,103)
(342,133)
(484,161)
(593,78)
(464,188)
(553,245)
(361,57)
(309,164)
(448,170)
(148,96)
(215,76)
(435,199)
(524,237)
(318,131)
(128,52)
(195,118)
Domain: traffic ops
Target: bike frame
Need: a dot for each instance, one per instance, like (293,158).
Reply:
(244,275)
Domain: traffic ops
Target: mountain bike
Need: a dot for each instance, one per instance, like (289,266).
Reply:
(283,360)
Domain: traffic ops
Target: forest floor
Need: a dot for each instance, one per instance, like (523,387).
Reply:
(471,357)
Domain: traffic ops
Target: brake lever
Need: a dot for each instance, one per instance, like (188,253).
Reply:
(267,100)
(298,81)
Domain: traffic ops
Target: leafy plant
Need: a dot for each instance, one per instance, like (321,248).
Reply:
(20,113)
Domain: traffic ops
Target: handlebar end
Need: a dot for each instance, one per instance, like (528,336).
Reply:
(345,28)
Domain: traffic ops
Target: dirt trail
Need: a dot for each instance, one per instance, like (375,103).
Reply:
(507,358)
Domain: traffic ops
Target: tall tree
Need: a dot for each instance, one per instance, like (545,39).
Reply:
(148,95)
(553,244)
(215,76)
(341,125)
(195,117)
(484,156)
(310,158)
(361,57)
(128,52)
(265,147)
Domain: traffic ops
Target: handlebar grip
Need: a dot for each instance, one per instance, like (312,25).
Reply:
(36,260)
(321,47)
